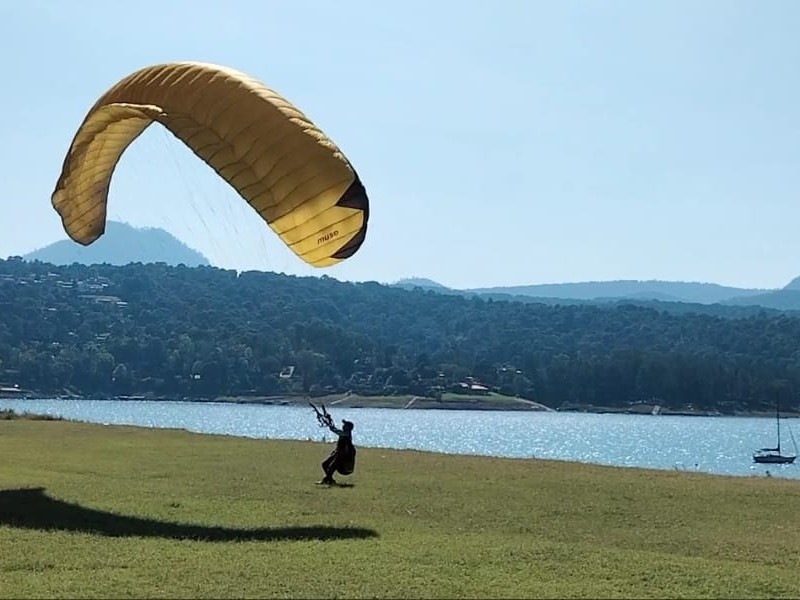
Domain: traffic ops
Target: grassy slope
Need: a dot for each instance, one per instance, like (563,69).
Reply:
(449,400)
(123,508)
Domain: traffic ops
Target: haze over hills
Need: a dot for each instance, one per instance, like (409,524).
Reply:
(120,245)
(666,294)
(670,291)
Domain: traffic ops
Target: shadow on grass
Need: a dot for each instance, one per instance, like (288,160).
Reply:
(31,508)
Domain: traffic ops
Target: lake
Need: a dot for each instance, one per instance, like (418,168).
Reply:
(718,445)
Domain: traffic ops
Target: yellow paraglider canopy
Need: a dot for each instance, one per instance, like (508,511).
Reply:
(296,178)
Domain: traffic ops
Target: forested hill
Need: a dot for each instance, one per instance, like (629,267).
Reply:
(119,245)
(205,332)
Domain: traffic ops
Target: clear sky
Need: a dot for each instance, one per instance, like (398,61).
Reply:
(501,143)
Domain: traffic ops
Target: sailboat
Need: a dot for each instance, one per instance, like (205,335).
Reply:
(773,456)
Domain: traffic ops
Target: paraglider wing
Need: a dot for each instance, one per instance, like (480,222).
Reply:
(296,178)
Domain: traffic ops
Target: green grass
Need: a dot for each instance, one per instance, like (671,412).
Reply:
(120,512)
(492,400)
(492,397)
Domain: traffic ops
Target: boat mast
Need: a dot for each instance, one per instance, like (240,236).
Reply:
(778,419)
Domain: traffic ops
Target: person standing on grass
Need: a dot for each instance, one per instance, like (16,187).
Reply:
(343,457)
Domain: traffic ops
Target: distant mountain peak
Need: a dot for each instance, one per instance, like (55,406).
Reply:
(794,284)
(420,282)
(120,245)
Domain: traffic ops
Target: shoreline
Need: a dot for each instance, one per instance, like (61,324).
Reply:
(408,402)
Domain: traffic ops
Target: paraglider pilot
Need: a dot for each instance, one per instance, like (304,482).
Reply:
(343,457)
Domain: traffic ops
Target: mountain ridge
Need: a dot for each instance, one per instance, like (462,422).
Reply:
(122,244)
(691,292)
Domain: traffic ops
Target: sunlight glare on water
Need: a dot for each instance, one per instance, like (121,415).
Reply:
(720,445)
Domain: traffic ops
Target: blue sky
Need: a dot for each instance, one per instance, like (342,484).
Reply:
(501,143)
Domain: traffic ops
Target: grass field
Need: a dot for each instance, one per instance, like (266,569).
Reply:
(122,512)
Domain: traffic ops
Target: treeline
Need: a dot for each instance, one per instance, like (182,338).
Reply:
(205,332)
